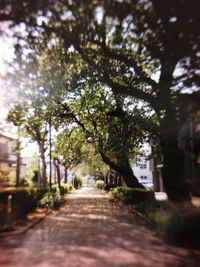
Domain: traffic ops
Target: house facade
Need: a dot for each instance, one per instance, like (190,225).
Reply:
(142,168)
(8,158)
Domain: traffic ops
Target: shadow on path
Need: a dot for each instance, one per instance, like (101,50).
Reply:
(92,231)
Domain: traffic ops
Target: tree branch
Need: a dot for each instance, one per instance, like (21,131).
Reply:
(131,63)
(130,91)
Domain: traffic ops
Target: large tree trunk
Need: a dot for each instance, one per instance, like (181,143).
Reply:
(173,156)
(124,169)
(128,176)
(173,170)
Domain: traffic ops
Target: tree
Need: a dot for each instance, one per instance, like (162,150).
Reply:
(127,44)
(33,119)
(92,163)
(32,170)
(34,101)
(115,139)
(68,148)
(78,100)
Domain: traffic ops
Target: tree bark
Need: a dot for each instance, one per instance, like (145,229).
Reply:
(58,173)
(128,175)
(124,169)
(44,166)
(18,162)
(66,174)
(173,171)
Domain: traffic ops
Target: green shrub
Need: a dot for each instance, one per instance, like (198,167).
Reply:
(132,195)
(100,184)
(54,188)
(109,187)
(64,188)
(24,182)
(51,200)
(24,200)
(77,182)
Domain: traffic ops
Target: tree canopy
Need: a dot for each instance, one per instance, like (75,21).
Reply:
(146,50)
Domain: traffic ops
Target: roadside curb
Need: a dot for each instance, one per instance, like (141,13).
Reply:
(27,227)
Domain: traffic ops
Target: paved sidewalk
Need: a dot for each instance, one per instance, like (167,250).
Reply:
(92,231)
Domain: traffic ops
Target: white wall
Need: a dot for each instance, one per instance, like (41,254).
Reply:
(142,166)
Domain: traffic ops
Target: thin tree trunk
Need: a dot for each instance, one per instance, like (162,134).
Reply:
(44,166)
(58,173)
(18,163)
(66,175)
(106,178)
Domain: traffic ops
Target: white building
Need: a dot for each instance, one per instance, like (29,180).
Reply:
(142,167)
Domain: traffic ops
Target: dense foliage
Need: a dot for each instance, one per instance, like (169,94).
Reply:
(145,50)
(132,195)
(100,184)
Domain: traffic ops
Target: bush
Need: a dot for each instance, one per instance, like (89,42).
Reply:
(77,182)
(4,174)
(51,200)
(24,182)
(109,187)
(24,200)
(132,195)
(100,184)
(64,189)
(54,188)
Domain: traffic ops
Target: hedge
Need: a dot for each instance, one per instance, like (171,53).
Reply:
(132,195)
(100,184)
(24,200)
(64,189)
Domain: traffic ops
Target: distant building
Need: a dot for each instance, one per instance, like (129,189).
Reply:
(7,146)
(142,168)
(8,158)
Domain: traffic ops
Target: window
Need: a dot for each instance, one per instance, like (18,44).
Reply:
(142,166)
(143,177)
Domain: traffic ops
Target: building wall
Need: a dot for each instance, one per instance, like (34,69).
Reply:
(142,167)
(3,165)
(7,156)
(6,149)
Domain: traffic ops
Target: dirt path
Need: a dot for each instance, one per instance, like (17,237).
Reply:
(91,231)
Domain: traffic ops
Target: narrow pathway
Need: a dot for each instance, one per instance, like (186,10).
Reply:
(92,231)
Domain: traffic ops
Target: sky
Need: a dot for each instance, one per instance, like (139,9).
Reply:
(6,55)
